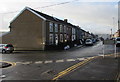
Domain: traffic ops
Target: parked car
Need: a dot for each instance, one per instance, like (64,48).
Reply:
(6,48)
(94,40)
(88,42)
(117,41)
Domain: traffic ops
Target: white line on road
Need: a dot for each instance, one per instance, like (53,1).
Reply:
(58,61)
(38,62)
(18,62)
(25,63)
(50,61)
(80,59)
(70,60)
(100,55)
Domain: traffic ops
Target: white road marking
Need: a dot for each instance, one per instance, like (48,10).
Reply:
(38,62)
(26,63)
(18,62)
(70,60)
(100,55)
(81,59)
(58,61)
(2,76)
(50,61)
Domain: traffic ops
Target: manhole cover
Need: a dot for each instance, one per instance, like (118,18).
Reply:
(5,64)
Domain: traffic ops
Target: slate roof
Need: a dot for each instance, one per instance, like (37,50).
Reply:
(52,18)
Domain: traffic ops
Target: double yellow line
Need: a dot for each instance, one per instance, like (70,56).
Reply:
(72,68)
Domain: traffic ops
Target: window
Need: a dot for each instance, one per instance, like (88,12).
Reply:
(73,30)
(50,27)
(61,37)
(65,29)
(61,28)
(51,39)
(65,37)
(73,37)
(56,27)
(73,34)
(56,39)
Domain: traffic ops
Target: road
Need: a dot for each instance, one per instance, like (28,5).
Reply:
(44,65)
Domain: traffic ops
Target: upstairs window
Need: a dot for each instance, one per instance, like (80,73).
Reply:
(65,29)
(50,27)
(73,30)
(61,28)
(56,27)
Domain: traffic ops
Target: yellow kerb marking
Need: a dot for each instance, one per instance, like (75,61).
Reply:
(12,63)
(72,68)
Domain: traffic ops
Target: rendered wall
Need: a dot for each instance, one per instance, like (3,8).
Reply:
(26,32)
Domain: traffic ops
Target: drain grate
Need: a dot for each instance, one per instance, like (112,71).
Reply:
(5,64)
(51,72)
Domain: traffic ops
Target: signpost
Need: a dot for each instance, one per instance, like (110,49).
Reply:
(109,42)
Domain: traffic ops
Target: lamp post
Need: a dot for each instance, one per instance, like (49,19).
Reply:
(111,32)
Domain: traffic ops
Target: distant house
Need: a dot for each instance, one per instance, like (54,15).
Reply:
(33,30)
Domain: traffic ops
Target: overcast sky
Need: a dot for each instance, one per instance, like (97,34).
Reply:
(96,16)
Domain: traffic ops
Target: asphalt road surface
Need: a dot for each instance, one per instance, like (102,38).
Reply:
(44,65)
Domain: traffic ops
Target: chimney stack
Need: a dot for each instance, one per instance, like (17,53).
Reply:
(66,20)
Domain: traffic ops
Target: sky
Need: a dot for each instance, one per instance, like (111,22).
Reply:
(95,16)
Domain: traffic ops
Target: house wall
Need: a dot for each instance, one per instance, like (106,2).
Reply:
(68,32)
(26,32)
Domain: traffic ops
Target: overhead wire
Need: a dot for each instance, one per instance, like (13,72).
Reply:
(44,6)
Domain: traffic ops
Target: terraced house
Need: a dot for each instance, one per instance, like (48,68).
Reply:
(33,30)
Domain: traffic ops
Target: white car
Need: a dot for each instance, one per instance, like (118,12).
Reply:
(5,48)
(88,42)
(117,41)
